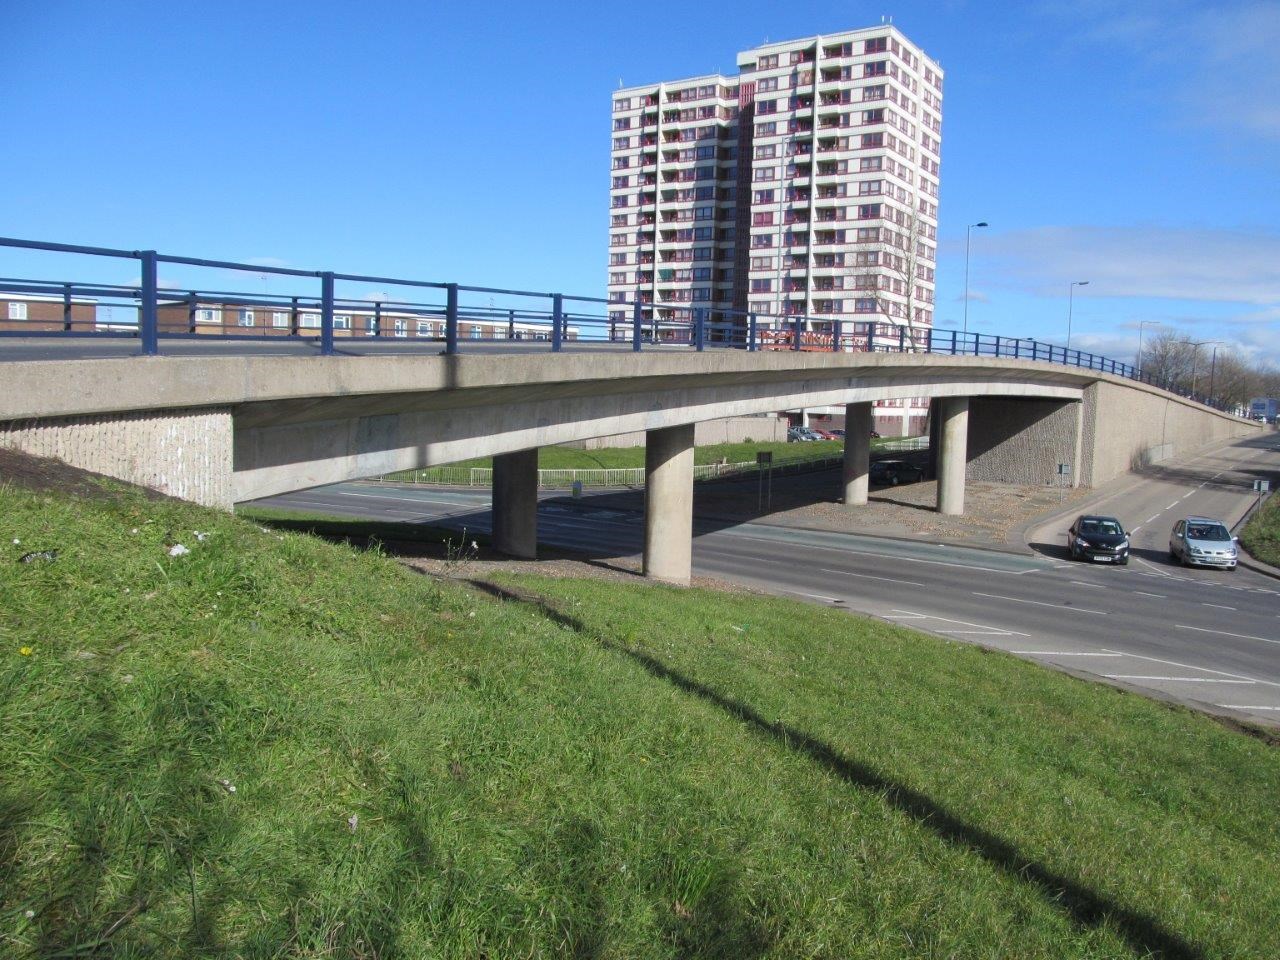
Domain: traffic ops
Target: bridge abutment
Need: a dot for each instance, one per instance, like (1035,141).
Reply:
(515,504)
(668,504)
(185,454)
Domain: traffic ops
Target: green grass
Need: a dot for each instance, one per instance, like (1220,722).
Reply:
(1261,535)
(570,768)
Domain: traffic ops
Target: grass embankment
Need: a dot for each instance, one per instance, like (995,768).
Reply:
(614,458)
(1261,535)
(577,768)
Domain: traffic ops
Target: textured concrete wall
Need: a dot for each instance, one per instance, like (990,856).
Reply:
(1019,440)
(185,454)
(1128,427)
(726,430)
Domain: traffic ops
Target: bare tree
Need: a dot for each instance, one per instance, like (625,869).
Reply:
(892,273)
(1168,360)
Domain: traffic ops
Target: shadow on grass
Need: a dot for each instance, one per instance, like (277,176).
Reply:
(1085,907)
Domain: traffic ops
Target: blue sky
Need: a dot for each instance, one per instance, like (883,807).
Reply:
(1136,146)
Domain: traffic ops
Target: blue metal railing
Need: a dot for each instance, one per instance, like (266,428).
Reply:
(154,312)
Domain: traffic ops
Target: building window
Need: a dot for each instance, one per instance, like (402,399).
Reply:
(17,311)
(246,318)
(766,63)
(279,319)
(342,321)
(401,327)
(206,316)
(476,332)
(310,321)
(623,104)
(426,328)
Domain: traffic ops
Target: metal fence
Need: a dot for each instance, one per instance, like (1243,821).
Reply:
(325,307)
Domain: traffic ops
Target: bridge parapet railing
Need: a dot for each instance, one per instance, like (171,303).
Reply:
(328,308)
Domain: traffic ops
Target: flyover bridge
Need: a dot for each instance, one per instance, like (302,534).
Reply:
(223,420)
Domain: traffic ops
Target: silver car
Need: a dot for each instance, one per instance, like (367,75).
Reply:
(1199,540)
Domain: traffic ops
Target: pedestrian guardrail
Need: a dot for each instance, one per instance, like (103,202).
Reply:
(326,308)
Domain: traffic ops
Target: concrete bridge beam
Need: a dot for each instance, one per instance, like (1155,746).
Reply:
(668,504)
(515,504)
(952,454)
(857,452)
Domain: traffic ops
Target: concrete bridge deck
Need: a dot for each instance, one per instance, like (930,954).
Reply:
(240,420)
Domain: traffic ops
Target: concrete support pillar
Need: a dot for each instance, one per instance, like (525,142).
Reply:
(515,504)
(857,452)
(668,504)
(953,454)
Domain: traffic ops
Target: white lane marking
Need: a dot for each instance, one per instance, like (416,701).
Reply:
(816,596)
(1040,603)
(1239,706)
(1063,653)
(1134,676)
(1187,494)
(983,626)
(1189,666)
(1223,633)
(1081,583)
(1149,519)
(1172,505)
(1157,572)
(972,633)
(867,576)
(1219,606)
(462,502)
(1158,596)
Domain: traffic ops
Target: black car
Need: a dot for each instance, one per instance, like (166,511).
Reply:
(1098,538)
(890,473)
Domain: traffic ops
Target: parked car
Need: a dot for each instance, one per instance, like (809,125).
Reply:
(837,434)
(890,473)
(1098,538)
(874,435)
(801,434)
(823,434)
(1199,540)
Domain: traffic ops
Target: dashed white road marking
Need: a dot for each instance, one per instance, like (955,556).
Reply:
(1149,519)
(1172,505)
(1189,666)
(816,596)
(1218,606)
(1081,583)
(1223,633)
(1158,596)
(1131,676)
(1240,706)
(913,615)
(867,576)
(1062,653)
(1040,603)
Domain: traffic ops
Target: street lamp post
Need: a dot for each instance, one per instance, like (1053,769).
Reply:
(1070,292)
(967,231)
(1140,326)
(1195,359)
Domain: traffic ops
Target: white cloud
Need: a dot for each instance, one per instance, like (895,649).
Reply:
(1219,58)
(1217,266)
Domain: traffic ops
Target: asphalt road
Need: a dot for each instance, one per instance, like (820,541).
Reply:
(1207,638)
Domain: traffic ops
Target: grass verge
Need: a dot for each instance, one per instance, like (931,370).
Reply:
(1261,535)
(534,767)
